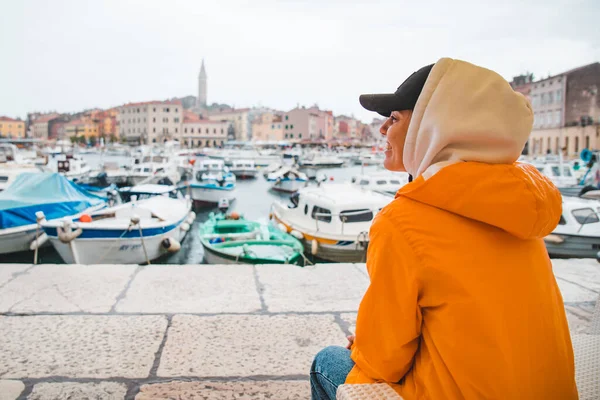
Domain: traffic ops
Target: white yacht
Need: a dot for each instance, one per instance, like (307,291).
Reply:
(368,159)
(132,233)
(244,169)
(332,220)
(384,181)
(578,231)
(150,165)
(321,161)
(562,175)
(72,166)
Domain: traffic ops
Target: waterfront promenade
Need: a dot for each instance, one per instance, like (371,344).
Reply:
(191,331)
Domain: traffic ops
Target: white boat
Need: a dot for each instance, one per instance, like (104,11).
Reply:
(30,193)
(332,220)
(72,166)
(384,181)
(578,232)
(243,169)
(562,175)
(148,166)
(132,233)
(287,179)
(212,181)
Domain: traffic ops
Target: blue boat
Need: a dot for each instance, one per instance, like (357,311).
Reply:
(35,197)
(212,182)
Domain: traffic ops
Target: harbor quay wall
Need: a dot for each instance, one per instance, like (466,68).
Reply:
(179,331)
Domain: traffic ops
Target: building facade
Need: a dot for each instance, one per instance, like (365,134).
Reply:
(240,122)
(12,128)
(39,126)
(150,122)
(81,128)
(308,124)
(197,132)
(566,112)
(522,84)
(267,127)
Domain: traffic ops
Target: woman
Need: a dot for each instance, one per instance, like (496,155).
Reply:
(462,302)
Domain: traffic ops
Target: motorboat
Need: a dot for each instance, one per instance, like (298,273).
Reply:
(72,166)
(331,220)
(212,181)
(235,240)
(578,232)
(150,165)
(136,232)
(33,197)
(562,175)
(287,179)
(385,181)
(243,169)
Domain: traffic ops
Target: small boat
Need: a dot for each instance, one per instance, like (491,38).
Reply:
(132,233)
(31,193)
(287,179)
(72,166)
(243,169)
(368,159)
(562,175)
(239,241)
(321,161)
(212,182)
(578,232)
(148,166)
(332,220)
(383,182)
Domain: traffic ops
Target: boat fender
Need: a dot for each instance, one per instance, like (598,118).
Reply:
(66,234)
(185,227)
(171,245)
(39,242)
(297,234)
(314,247)
(282,227)
(39,216)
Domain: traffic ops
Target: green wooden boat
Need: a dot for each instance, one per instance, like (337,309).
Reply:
(239,241)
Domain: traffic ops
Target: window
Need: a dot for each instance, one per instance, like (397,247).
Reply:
(550,97)
(576,144)
(395,182)
(291,135)
(585,216)
(286,135)
(154,109)
(567,144)
(549,144)
(321,214)
(206,130)
(562,221)
(222,132)
(381,182)
(364,182)
(363,215)
(559,95)
(185,130)
(154,130)
(175,110)
(175,130)
(175,120)
(299,136)
(543,99)
(214,130)
(587,142)
(273,126)
(291,126)
(286,127)
(191,130)
(286,117)
(305,206)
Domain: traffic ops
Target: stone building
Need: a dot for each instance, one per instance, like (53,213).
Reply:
(150,122)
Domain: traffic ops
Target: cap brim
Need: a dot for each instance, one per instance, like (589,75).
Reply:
(383,104)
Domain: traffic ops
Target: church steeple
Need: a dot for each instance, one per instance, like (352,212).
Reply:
(202,78)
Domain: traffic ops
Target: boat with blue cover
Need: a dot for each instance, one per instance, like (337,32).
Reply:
(212,182)
(38,195)
(235,240)
(136,232)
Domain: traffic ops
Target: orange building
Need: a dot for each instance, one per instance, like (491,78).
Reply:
(83,127)
(12,128)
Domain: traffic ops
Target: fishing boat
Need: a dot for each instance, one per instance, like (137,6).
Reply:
(212,182)
(287,179)
(243,169)
(228,240)
(35,196)
(578,232)
(9,172)
(132,233)
(332,220)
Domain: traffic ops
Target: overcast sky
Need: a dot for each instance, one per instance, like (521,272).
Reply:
(72,55)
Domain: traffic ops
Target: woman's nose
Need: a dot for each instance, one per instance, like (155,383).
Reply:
(383,129)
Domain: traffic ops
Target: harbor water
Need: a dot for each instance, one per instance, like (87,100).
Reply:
(253,201)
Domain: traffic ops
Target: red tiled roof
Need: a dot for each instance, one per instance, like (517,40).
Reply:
(146,103)
(44,118)
(7,119)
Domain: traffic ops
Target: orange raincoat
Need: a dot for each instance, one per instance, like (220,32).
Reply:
(463,303)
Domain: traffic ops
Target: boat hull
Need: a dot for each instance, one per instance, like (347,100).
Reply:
(114,250)
(574,246)
(15,240)
(341,252)
(245,173)
(211,195)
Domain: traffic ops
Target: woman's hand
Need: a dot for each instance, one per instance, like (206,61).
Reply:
(350,341)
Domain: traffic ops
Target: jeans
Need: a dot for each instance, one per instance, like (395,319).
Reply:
(329,370)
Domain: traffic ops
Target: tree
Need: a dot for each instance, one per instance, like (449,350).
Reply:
(113,139)
(74,139)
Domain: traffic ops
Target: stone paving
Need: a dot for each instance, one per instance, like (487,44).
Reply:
(191,331)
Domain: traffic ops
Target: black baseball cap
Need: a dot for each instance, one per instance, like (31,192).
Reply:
(404,98)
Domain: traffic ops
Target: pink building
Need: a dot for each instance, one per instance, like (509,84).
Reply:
(307,124)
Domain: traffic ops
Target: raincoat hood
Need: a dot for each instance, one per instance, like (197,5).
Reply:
(468,113)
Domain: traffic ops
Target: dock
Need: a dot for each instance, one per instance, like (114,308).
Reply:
(191,331)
